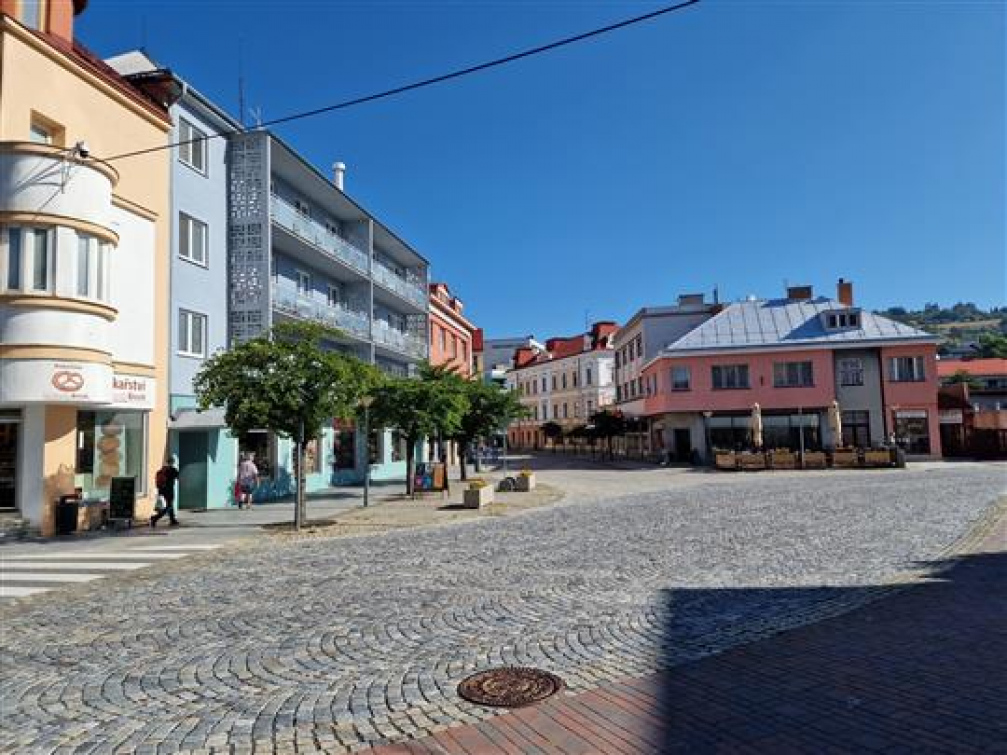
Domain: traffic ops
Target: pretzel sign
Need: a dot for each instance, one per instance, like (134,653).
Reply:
(67,381)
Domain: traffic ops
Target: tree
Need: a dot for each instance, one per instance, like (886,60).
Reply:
(431,405)
(552,431)
(490,407)
(961,376)
(993,345)
(286,382)
(608,424)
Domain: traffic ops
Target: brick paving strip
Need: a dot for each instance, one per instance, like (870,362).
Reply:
(923,669)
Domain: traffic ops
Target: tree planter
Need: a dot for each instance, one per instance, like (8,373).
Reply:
(752,461)
(814,460)
(525,482)
(783,460)
(726,461)
(877,458)
(845,458)
(476,498)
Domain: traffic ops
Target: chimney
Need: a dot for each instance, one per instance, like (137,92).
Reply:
(338,174)
(690,300)
(800,292)
(844,292)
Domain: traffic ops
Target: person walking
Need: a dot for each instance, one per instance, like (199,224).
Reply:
(164,481)
(248,480)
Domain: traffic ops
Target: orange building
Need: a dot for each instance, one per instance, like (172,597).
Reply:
(451,334)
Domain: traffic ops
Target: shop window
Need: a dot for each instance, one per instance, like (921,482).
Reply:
(398,446)
(259,445)
(110,444)
(912,431)
(312,457)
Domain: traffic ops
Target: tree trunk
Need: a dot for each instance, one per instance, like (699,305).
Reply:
(410,463)
(463,447)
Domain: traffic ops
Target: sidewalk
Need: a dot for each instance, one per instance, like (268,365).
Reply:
(922,670)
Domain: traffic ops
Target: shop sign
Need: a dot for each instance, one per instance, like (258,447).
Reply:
(911,414)
(132,390)
(951,417)
(73,382)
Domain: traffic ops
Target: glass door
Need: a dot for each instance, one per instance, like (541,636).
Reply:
(9,426)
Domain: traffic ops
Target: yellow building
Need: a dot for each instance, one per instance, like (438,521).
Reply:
(84,245)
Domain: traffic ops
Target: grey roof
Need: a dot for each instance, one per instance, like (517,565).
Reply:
(193,419)
(771,323)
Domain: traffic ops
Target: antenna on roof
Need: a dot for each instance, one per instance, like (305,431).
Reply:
(241,84)
(716,293)
(256,115)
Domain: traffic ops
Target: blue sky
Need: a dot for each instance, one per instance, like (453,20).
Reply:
(736,144)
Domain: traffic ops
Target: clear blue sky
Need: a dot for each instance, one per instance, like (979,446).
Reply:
(736,144)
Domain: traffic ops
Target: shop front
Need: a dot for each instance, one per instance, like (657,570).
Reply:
(69,427)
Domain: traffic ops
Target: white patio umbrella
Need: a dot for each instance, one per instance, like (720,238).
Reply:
(835,424)
(756,426)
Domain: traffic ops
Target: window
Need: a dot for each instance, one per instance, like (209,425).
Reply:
(565,415)
(87,247)
(618,393)
(444,341)
(573,376)
(534,412)
(587,376)
(555,411)
(544,387)
(793,374)
(192,147)
(851,371)
(303,282)
(680,378)
(191,333)
(14,258)
(564,381)
(40,266)
(110,444)
(730,376)
(617,360)
(101,276)
(40,134)
(554,382)
(906,370)
(454,345)
(335,296)
(192,238)
(31,14)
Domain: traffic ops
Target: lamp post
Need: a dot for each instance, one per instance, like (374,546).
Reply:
(706,432)
(365,402)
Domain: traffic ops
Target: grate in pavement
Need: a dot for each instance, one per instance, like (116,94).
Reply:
(509,687)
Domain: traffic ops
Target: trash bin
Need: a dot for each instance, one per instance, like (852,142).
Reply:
(899,457)
(66,514)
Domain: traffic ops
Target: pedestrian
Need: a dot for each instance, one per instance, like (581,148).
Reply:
(164,481)
(248,480)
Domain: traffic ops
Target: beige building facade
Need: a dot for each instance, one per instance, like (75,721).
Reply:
(84,243)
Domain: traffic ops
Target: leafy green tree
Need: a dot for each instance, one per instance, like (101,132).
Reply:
(286,382)
(961,376)
(490,408)
(429,406)
(993,345)
(608,424)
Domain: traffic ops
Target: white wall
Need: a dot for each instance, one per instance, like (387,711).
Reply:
(132,289)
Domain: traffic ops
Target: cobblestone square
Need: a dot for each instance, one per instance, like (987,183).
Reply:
(326,645)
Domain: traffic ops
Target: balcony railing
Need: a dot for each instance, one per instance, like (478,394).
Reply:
(399,340)
(318,235)
(409,289)
(352,321)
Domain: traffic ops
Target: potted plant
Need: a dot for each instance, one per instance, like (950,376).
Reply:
(478,494)
(526,481)
(782,458)
(724,459)
(845,457)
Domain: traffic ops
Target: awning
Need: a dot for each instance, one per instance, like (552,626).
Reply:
(193,419)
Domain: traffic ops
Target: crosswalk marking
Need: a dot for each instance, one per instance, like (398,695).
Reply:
(146,548)
(18,591)
(76,565)
(89,555)
(27,576)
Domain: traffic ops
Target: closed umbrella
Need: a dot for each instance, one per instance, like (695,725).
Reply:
(836,424)
(756,426)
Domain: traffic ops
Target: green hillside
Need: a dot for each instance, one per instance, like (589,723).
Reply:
(963,323)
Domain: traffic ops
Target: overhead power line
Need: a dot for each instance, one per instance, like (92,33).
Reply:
(433,80)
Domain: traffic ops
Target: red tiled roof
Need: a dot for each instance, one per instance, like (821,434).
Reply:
(948,367)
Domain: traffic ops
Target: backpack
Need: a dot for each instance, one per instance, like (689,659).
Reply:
(161,478)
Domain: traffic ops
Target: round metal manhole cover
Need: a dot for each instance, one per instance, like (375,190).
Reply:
(510,687)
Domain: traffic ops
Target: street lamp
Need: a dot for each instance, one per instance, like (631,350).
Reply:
(365,402)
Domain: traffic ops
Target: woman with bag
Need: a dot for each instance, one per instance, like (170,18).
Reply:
(248,481)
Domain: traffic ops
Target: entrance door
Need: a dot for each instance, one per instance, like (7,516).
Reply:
(8,462)
(683,444)
(192,455)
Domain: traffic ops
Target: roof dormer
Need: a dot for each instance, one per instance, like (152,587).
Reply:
(845,318)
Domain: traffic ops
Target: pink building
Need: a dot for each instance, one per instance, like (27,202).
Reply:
(794,356)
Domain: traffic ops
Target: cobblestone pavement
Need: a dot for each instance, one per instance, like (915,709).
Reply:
(327,645)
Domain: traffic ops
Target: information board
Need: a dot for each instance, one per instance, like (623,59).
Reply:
(122,498)
(430,477)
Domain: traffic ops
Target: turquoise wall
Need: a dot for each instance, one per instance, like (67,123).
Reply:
(222,457)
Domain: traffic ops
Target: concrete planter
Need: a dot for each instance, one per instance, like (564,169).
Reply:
(525,483)
(477,498)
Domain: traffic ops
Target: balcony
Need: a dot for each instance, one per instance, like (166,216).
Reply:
(351,321)
(316,234)
(405,343)
(410,289)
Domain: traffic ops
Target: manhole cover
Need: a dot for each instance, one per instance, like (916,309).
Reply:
(510,687)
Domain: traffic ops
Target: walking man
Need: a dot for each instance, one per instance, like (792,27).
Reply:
(164,481)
